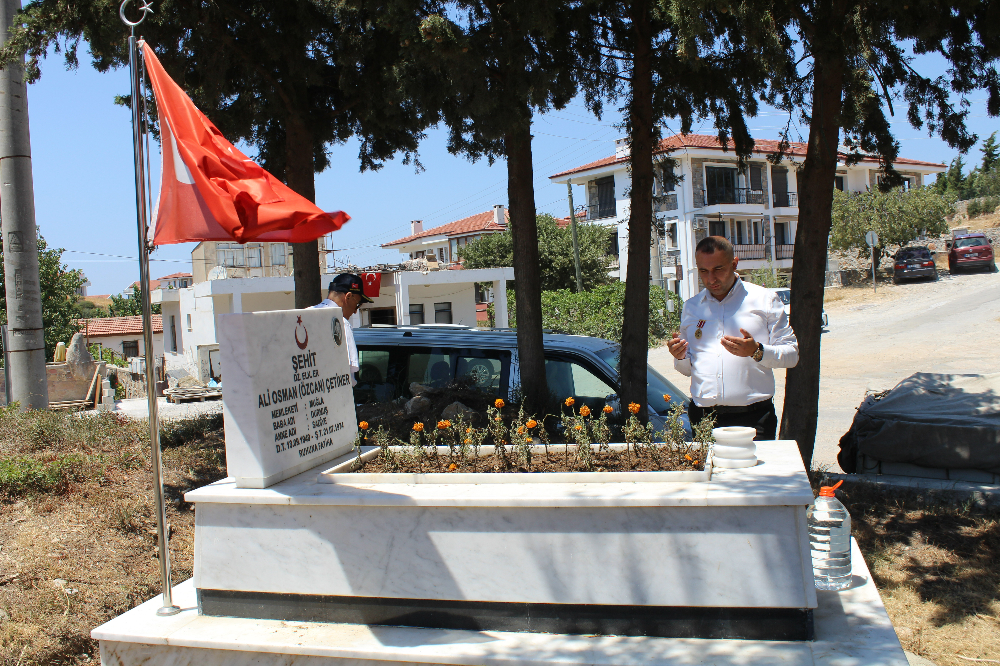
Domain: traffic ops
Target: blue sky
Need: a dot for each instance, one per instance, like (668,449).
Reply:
(85,196)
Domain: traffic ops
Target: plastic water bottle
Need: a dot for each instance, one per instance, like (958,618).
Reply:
(830,540)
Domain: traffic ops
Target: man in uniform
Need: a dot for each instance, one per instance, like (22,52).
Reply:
(732,335)
(346,292)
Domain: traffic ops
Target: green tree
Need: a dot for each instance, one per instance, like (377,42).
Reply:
(991,153)
(128,306)
(555,253)
(897,217)
(59,287)
(854,68)
(288,78)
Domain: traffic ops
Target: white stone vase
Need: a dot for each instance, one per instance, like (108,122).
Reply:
(734,447)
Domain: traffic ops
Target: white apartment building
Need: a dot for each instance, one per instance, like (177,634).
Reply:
(440,245)
(246,260)
(756,208)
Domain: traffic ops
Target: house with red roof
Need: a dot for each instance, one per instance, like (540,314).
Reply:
(700,190)
(441,245)
(122,334)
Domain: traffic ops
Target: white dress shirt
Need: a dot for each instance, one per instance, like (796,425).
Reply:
(719,377)
(352,347)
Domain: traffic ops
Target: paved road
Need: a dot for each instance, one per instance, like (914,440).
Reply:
(875,341)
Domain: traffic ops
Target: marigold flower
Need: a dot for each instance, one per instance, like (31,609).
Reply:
(468,430)
(585,411)
(444,425)
(452,467)
(419,427)
(363,425)
(496,418)
(570,402)
(578,427)
(633,407)
(532,423)
(468,441)
(528,439)
(688,457)
(520,430)
(499,403)
(666,397)
(608,409)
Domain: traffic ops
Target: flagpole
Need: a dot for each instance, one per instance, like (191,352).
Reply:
(162,536)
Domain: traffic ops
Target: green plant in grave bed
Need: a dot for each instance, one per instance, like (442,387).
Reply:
(384,440)
(636,432)
(498,433)
(703,433)
(579,428)
(521,437)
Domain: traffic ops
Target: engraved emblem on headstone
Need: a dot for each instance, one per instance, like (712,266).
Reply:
(338,330)
(302,344)
(14,243)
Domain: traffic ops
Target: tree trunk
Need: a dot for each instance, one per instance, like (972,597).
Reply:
(527,272)
(635,327)
(801,408)
(300,176)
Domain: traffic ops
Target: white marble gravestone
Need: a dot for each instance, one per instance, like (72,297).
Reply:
(286,393)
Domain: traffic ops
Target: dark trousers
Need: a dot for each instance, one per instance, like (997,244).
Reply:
(759,415)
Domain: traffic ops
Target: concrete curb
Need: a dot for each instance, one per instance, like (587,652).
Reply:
(980,493)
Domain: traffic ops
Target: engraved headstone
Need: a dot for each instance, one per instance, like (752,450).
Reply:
(286,393)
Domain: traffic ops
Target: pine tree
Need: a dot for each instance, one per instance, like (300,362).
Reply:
(991,153)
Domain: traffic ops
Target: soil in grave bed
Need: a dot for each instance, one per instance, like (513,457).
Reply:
(558,459)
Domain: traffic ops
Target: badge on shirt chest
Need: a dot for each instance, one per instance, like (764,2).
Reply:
(701,325)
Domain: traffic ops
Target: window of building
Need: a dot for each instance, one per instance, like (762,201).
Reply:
(756,177)
(716,228)
(838,182)
(254,252)
(189,322)
(416,313)
(605,197)
(779,186)
(667,178)
(278,253)
(720,185)
(756,232)
(780,234)
(442,313)
(739,232)
(382,316)
(444,254)
(229,254)
(173,333)
(130,348)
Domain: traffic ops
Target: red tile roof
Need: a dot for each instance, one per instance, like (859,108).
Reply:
(153,284)
(709,142)
(104,326)
(468,225)
(563,222)
(176,275)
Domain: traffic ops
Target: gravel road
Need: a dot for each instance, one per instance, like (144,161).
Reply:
(876,340)
(166,410)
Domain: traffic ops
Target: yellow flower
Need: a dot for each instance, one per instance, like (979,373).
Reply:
(570,402)
(419,427)
(532,423)
(608,409)
(499,403)
(633,407)
(585,411)
(578,427)
(363,425)
(443,425)
(452,467)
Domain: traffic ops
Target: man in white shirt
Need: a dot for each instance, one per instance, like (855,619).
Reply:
(732,335)
(347,293)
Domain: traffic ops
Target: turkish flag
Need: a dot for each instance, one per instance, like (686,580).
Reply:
(210,191)
(372,284)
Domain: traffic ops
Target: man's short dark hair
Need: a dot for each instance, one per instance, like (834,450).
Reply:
(713,244)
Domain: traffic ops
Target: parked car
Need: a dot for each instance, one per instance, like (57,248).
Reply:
(971,251)
(576,366)
(913,262)
(785,294)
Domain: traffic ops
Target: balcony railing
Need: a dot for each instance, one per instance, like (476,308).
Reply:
(602,211)
(665,202)
(751,251)
(726,195)
(786,199)
(784,251)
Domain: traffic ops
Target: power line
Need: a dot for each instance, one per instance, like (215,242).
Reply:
(120,256)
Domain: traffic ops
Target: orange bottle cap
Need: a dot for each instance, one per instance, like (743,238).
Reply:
(827,491)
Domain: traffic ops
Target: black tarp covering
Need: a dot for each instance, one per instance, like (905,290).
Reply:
(932,420)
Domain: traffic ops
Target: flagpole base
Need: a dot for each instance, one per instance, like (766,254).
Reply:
(167,611)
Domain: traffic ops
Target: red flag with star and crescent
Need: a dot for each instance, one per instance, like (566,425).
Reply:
(372,284)
(210,191)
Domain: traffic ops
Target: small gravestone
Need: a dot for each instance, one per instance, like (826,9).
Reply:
(286,393)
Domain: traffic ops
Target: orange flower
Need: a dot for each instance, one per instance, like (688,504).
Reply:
(499,403)
(468,441)
(528,439)
(468,430)
(444,425)
(666,398)
(585,411)
(520,430)
(570,402)
(452,467)
(633,407)
(419,427)
(688,457)
(532,423)
(496,418)
(608,409)
(363,425)
(578,427)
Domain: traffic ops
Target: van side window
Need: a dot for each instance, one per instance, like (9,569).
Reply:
(568,378)
(385,373)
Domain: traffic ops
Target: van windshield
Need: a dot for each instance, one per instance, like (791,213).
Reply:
(657,385)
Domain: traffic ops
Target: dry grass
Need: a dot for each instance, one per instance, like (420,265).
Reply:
(990,221)
(78,542)
(935,564)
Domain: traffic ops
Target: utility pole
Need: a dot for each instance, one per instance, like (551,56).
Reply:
(25,335)
(576,244)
